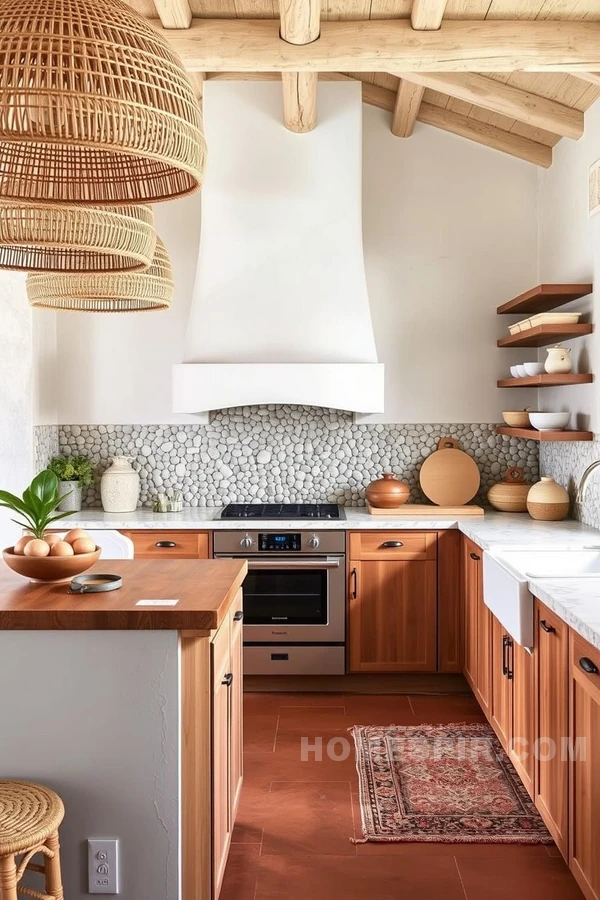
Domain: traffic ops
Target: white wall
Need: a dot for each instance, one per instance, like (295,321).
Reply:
(570,252)
(450,231)
(16,386)
(94,715)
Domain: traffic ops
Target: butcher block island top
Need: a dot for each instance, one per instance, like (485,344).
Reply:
(204,590)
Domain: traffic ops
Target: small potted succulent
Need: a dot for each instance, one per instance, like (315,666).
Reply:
(73,473)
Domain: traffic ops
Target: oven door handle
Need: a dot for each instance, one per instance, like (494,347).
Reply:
(325,563)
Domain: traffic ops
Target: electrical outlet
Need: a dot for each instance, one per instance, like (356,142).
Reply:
(103,866)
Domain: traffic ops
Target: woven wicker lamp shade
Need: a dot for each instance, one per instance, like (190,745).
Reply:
(95,107)
(110,292)
(76,238)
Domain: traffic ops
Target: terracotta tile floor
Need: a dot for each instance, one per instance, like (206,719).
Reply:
(291,840)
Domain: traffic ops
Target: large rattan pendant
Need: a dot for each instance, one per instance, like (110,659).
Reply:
(76,238)
(95,107)
(108,292)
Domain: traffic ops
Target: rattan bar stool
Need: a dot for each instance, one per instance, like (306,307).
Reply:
(29,818)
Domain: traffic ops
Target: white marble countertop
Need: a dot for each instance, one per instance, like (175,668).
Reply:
(575,600)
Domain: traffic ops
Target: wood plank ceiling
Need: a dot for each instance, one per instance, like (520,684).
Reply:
(522,113)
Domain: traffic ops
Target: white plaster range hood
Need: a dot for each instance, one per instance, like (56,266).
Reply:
(280,310)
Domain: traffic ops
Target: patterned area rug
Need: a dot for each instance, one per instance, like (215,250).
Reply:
(441,783)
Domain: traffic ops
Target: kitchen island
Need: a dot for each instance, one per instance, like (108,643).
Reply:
(128,704)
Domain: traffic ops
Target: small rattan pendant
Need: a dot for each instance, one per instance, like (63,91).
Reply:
(76,238)
(110,292)
(95,107)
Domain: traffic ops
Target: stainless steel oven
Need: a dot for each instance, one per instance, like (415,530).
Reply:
(294,599)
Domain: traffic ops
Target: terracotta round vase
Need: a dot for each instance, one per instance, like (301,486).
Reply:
(511,494)
(387,492)
(548,501)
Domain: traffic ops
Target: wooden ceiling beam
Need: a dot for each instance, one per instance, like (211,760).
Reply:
(406,108)
(300,24)
(539,112)
(480,132)
(590,77)
(427,15)
(377,45)
(174,13)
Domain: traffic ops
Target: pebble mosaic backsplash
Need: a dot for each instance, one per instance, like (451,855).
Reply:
(282,454)
(566,463)
(45,445)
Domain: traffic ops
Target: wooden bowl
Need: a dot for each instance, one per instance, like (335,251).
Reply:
(50,568)
(387,492)
(517,418)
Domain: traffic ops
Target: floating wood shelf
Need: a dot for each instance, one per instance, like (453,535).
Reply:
(544,297)
(542,335)
(532,434)
(544,381)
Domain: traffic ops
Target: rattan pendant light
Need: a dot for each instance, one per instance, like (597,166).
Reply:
(76,238)
(95,107)
(109,292)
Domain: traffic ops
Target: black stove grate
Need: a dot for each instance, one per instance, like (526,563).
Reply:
(283,511)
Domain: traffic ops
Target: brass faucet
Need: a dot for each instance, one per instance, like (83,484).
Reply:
(583,482)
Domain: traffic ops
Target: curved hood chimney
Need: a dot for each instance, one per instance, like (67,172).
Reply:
(280,311)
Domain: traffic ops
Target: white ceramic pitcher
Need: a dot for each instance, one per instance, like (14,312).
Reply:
(558,361)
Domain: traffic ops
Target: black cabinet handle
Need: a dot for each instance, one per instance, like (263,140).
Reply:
(354,576)
(549,629)
(162,544)
(475,556)
(228,679)
(509,648)
(391,544)
(238,616)
(504,649)
(588,666)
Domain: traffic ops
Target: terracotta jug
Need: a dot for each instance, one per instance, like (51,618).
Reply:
(387,492)
(558,361)
(510,495)
(548,501)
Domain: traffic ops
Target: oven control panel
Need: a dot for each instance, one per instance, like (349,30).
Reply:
(288,542)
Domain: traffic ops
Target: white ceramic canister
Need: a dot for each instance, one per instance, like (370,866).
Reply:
(120,486)
(558,361)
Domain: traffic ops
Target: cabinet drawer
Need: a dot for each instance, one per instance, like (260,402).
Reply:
(384,545)
(152,544)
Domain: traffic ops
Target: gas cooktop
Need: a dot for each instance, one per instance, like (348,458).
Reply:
(283,511)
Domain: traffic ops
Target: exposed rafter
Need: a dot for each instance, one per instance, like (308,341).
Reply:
(590,77)
(504,99)
(427,15)
(406,108)
(300,24)
(374,45)
(174,13)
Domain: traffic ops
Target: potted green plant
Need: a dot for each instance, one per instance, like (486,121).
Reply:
(73,473)
(37,506)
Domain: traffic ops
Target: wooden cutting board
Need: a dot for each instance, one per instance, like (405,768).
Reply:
(449,476)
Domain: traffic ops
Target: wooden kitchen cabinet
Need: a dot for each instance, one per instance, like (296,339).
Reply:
(523,736)
(169,544)
(552,722)
(392,618)
(501,709)
(477,626)
(584,782)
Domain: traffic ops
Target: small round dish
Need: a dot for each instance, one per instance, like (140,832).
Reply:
(548,421)
(534,368)
(95,584)
(514,371)
(518,418)
(521,373)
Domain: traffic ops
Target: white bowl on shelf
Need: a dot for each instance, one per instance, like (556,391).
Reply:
(549,421)
(521,373)
(534,368)
(514,371)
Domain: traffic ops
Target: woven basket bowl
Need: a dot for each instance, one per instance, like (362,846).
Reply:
(109,292)
(48,569)
(76,238)
(116,122)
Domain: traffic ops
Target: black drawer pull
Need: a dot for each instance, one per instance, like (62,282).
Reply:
(504,652)
(549,629)
(475,557)
(228,679)
(354,590)
(588,666)
(165,544)
(392,544)
(238,616)
(280,657)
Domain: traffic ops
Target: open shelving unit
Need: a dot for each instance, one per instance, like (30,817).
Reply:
(543,298)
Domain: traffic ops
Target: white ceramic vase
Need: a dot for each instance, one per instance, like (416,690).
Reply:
(120,486)
(558,361)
